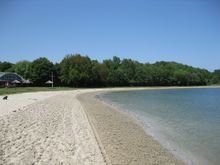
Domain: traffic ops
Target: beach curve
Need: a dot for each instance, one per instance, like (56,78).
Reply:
(123,138)
(60,128)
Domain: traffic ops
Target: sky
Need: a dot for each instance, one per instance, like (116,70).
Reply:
(185,31)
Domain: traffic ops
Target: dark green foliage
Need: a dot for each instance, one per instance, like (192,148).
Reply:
(57,74)
(76,70)
(5,66)
(216,77)
(99,74)
(80,71)
(128,69)
(22,68)
(41,71)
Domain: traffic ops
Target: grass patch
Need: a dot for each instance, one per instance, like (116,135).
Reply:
(4,91)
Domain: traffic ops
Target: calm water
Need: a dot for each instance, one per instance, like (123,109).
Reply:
(186,121)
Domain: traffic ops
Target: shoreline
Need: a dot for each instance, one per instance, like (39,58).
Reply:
(178,152)
(123,136)
(74,126)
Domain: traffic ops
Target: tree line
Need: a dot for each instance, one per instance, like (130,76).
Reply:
(80,71)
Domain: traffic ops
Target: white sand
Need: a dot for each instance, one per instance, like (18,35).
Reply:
(47,128)
(16,101)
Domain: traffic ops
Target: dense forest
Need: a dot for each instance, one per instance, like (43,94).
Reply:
(80,71)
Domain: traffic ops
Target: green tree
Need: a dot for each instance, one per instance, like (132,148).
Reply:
(81,71)
(129,70)
(76,70)
(216,76)
(41,71)
(180,77)
(99,74)
(5,66)
(114,71)
(23,68)
(56,75)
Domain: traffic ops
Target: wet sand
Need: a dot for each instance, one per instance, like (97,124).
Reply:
(123,138)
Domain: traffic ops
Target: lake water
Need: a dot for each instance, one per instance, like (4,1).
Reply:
(186,121)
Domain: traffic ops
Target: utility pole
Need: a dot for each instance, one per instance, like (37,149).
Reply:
(52,79)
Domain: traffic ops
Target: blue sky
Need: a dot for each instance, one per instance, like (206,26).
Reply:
(185,31)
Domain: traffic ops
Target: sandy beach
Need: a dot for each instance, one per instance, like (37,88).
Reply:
(54,130)
(73,127)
